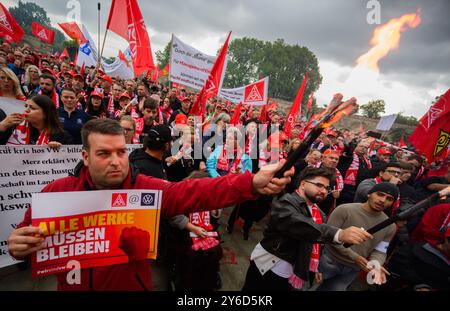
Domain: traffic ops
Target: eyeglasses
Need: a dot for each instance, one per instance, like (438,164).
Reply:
(394,172)
(320,186)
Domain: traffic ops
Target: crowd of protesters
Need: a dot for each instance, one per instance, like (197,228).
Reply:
(347,179)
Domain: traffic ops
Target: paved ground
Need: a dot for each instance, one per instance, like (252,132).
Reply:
(233,265)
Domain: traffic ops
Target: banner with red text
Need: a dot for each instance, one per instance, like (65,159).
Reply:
(95,228)
(25,170)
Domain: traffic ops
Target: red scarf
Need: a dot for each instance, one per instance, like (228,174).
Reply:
(111,109)
(315,255)
(54,97)
(223,161)
(352,172)
(202,219)
(21,135)
(140,123)
(294,280)
(396,203)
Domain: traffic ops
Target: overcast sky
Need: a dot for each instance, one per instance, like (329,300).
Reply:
(337,31)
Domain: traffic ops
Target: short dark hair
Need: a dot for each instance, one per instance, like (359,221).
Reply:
(311,172)
(68,89)
(197,174)
(390,164)
(406,166)
(415,157)
(100,126)
(47,76)
(150,103)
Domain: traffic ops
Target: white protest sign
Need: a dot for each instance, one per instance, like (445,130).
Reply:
(189,66)
(386,122)
(252,94)
(25,170)
(10,105)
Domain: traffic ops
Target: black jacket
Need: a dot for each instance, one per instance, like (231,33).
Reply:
(291,233)
(146,164)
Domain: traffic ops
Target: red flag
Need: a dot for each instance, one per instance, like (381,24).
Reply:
(237,112)
(43,33)
(249,112)
(155,74)
(262,117)
(310,101)
(82,70)
(123,58)
(73,31)
(401,143)
(212,84)
(296,108)
(75,59)
(165,71)
(132,28)
(9,28)
(64,54)
(56,54)
(432,135)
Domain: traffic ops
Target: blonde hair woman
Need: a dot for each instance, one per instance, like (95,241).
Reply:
(10,85)
(32,74)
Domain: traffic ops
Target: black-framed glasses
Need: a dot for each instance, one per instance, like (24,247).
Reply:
(320,186)
(392,172)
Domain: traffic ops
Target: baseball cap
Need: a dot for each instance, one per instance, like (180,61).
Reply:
(124,94)
(181,119)
(383,151)
(332,133)
(107,78)
(97,93)
(48,71)
(160,133)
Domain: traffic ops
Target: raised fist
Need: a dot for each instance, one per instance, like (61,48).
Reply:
(135,243)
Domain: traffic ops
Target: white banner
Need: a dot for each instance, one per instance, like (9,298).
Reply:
(25,170)
(386,122)
(189,66)
(252,94)
(119,69)
(10,105)
(87,52)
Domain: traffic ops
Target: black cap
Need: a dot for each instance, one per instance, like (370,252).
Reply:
(386,187)
(160,133)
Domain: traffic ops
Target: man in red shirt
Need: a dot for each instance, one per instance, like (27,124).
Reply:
(106,166)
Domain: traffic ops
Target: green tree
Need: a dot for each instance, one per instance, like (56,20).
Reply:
(396,133)
(286,65)
(407,120)
(27,12)
(373,108)
(163,57)
(245,56)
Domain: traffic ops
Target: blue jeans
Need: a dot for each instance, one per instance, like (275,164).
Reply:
(335,276)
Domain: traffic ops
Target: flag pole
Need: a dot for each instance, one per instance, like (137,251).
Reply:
(98,9)
(104,38)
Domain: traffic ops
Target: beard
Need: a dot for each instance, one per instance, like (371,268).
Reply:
(46,92)
(315,198)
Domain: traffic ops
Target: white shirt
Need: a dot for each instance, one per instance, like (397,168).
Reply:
(266,261)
